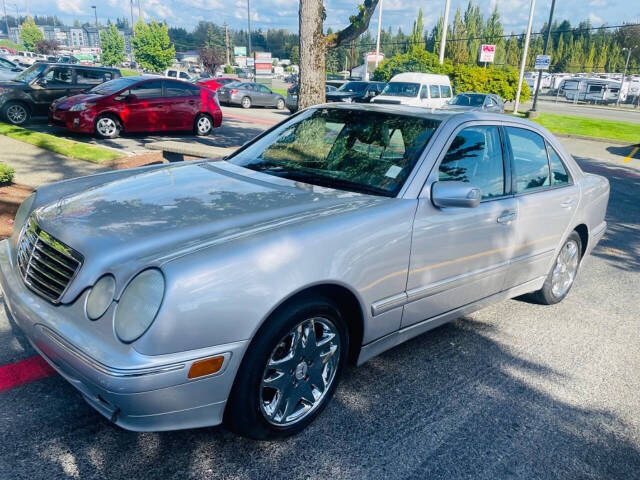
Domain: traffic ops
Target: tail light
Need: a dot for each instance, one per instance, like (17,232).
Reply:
(233,91)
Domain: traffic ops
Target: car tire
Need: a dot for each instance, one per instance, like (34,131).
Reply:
(16,113)
(107,126)
(203,125)
(563,272)
(246,102)
(258,410)
(280,104)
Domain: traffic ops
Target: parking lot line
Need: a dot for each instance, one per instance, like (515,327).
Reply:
(25,371)
(630,156)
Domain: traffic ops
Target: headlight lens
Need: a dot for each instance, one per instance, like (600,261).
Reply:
(78,107)
(100,297)
(23,212)
(139,305)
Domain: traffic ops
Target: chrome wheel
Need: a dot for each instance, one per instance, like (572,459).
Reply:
(17,114)
(565,269)
(300,371)
(280,104)
(106,126)
(203,125)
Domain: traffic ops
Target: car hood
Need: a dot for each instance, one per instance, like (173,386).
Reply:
(65,103)
(12,84)
(151,217)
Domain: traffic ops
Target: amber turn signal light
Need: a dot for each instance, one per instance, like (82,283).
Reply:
(206,366)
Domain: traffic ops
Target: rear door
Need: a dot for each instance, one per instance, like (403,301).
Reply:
(145,110)
(460,255)
(182,102)
(547,199)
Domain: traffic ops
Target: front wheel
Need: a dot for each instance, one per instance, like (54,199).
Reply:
(562,274)
(290,371)
(16,113)
(107,126)
(203,125)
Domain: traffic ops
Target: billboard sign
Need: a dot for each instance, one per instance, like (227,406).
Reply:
(542,62)
(240,51)
(487,52)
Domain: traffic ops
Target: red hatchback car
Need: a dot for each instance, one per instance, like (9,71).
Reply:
(214,84)
(139,104)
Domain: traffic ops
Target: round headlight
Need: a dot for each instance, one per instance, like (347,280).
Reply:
(139,305)
(100,297)
(23,212)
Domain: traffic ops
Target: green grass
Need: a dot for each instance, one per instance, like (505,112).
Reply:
(68,148)
(590,127)
(10,44)
(127,72)
(281,91)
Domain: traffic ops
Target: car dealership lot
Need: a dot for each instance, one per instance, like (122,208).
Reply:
(515,390)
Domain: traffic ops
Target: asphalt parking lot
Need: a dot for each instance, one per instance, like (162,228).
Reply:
(512,391)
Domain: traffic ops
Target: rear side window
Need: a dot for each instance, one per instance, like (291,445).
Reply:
(151,89)
(475,156)
(92,77)
(530,163)
(434,90)
(559,175)
(178,89)
(446,91)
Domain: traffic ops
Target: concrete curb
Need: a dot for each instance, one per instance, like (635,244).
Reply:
(595,139)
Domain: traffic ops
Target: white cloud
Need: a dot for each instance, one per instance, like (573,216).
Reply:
(69,6)
(595,19)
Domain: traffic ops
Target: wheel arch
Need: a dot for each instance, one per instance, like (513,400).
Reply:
(110,113)
(583,232)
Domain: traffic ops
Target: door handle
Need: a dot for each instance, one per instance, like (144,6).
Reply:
(507,217)
(567,203)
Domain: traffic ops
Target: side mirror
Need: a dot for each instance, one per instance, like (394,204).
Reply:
(130,98)
(455,194)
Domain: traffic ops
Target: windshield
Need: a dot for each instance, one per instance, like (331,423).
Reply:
(468,100)
(360,151)
(401,89)
(30,73)
(353,87)
(6,63)
(113,86)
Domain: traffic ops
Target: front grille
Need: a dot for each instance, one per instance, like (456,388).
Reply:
(46,265)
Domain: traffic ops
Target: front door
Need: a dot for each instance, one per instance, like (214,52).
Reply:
(547,201)
(460,255)
(56,82)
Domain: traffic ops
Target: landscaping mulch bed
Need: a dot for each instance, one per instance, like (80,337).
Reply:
(11,196)
(136,160)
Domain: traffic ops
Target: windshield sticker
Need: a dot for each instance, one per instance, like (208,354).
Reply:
(393,171)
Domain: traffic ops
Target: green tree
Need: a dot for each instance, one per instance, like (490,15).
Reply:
(30,34)
(152,48)
(416,32)
(417,59)
(493,35)
(457,48)
(112,46)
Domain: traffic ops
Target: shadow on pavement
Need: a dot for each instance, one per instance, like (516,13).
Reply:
(622,151)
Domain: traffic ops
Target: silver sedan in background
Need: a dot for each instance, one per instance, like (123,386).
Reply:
(237,291)
(476,102)
(249,94)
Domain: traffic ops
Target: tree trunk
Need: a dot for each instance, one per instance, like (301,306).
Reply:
(312,54)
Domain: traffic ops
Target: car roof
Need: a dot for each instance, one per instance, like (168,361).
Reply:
(77,65)
(417,77)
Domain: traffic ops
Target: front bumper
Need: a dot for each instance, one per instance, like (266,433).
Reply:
(81,122)
(140,393)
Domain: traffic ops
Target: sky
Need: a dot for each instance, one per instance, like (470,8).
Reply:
(284,13)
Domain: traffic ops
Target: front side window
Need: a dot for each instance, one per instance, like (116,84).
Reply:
(434,90)
(59,76)
(446,91)
(475,156)
(172,74)
(264,89)
(145,90)
(530,162)
(361,151)
(559,175)
(401,89)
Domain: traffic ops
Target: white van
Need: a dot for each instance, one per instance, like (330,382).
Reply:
(179,74)
(418,89)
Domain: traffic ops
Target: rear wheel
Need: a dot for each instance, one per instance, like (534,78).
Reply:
(203,125)
(290,371)
(563,273)
(107,126)
(280,104)
(16,113)
(246,102)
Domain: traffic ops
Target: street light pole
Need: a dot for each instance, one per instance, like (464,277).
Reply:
(544,51)
(6,20)
(95,12)
(249,28)
(624,75)
(445,25)
(525,51)
(379,30)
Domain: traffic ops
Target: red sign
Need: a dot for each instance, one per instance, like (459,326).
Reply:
(487,53)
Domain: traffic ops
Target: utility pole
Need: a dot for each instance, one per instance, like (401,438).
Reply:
(95,12)
(6,20)
(379,29)
(226,41)
(544,51)
(249,28)
(131,5)
(624,75)
(445,25)
(525,51)
(140,15)
(352,53)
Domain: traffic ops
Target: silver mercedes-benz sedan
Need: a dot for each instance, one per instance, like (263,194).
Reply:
(237,291)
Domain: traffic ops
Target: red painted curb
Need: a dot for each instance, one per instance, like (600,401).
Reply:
(24,371)
(241,118)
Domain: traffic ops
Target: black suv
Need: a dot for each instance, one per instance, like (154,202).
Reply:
(361,92)
(33,91)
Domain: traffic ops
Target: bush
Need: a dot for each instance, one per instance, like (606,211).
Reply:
(6,174)
(415,60)
(228,69)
